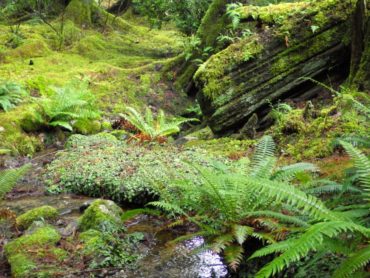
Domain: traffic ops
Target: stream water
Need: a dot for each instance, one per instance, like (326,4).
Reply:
(159,260)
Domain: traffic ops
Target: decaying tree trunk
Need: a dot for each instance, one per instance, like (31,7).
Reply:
(212,24)
(120,7)
(360,59)
(268,66)
(80,11)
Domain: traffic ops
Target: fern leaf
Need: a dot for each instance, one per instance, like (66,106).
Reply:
(311,240)
(241,233)
(285,193)
(234,255)
(362,164)
(265,149)
(221,242)
(287,173)
(135,212)
(278,216)
(353,263)
(8,178)
(278,247)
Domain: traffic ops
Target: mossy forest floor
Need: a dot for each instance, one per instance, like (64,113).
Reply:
(125,65)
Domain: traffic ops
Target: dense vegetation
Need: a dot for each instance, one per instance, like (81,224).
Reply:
(244,124)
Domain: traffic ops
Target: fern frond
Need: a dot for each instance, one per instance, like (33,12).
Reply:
(285,193)
(221,242)
(287,173)
(362,164)
(166,206)
(265,149)
(130,214)
(353,263)
(278,247)
(311,240)
(241,233)
(233,255)
(278,216)
(330,187)
(8,178)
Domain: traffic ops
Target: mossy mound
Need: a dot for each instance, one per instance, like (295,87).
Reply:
(99,213)
(42,242)
(303,136)
(41,213)
(119,171)
(12,136)
(125,65)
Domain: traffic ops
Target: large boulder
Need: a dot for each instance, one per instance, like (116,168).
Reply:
(290,41)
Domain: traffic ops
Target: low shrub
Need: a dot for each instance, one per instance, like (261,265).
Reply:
(102,166)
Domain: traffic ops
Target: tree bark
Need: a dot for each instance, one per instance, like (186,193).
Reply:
(120,7)
(360,58)
(232,88)
(212,24)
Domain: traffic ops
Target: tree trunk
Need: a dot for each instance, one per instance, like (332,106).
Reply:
(360,59)
(80,12)
(120,7)
(212,24)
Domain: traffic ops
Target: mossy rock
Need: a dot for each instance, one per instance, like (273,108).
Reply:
(41,242)
(100,212)
(87,127)
(40,213)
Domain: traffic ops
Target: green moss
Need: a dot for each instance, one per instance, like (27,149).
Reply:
(212,23)
(212,74)
(30,49)
(44,212)
(42,236)
(99,213)
(90,127)
(34,254)
(223,146)
(80,12)
(272,14)
(21,265)
(113,62)
(12,136)
(310,138)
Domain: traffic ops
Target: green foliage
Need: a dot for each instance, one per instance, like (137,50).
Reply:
(187,15)
(151,129)
(105,239)
(317,236)
(67,108)
(11,94)
(231,199)
(362,165)
(8,178)
(102,166)
(110,247)
(308,133)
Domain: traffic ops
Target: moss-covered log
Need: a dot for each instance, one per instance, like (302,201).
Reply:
(291,42)
(212,24)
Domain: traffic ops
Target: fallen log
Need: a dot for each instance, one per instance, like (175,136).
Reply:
(293,40)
